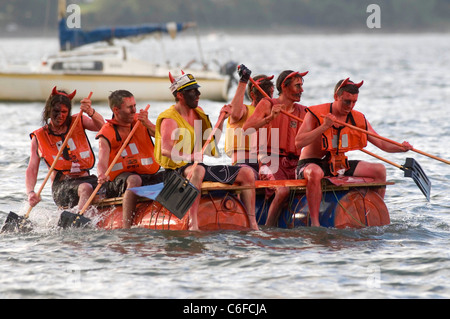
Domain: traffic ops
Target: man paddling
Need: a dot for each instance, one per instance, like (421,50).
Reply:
(72,183)
(239,145)
(325,143)
(181,132)
(137,166)
(278,158)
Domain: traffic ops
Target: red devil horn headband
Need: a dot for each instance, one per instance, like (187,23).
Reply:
(347,82)
(70,96)
(292,74)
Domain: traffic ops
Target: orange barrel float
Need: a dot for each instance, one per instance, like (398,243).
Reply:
(217,211)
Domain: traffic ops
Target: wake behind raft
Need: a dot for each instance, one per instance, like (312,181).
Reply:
(347,202)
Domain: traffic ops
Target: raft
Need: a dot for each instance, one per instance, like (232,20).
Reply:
(346,203)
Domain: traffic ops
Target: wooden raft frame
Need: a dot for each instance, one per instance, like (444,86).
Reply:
(260,186)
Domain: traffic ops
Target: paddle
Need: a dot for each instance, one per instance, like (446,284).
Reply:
(411,168)
(391,141)
(178,194)
(67,218)
(15,222)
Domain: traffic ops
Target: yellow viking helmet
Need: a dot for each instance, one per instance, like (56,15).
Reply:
(183,82)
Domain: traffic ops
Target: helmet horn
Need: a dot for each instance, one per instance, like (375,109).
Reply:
(171,78)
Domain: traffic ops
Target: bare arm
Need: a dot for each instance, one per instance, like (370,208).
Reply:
(238,108)
(143,117)
(168,126)
(309,132)
(103,159)
(95,120)
(264,113)
(31,174)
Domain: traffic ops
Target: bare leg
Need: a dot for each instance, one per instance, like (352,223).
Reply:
(84,192)
(281,194)
(246,177)
(313,175)
(372,170)
(196,180)
(130,200)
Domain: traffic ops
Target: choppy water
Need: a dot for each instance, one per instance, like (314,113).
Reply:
(405,97)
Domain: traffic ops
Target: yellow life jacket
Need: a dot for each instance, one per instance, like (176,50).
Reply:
(185,137)
(235,139)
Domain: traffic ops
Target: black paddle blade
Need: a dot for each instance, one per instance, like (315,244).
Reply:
(68,219)
(177,195)
(412,169)
(16,223)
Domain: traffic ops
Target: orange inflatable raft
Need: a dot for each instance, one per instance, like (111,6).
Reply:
(347,202)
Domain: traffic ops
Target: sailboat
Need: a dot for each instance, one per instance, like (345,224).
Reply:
(89,61)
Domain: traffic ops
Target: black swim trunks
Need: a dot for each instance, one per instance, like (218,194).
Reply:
(118,186)
(65,191)
(216,173)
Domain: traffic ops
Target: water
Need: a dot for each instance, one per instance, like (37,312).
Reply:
(405,95)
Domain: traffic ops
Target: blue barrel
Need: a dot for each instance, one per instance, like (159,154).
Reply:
(353,208)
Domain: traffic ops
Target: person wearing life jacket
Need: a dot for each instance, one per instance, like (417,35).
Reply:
(278,155)
(137,165)
(178,145)
(72,183)
(323,144)
(239,145)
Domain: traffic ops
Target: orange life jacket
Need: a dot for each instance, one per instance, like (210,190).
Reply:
(287,130)
(137,156)
(78,156)
(339,140)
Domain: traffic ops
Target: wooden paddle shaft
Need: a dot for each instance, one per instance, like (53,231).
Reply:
(381,158)
(222,115)
(114,161)
(61,149)
(390,141)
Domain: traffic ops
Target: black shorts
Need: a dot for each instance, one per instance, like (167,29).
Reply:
(65,191)
(118,186)
(323,163)
(216,173)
